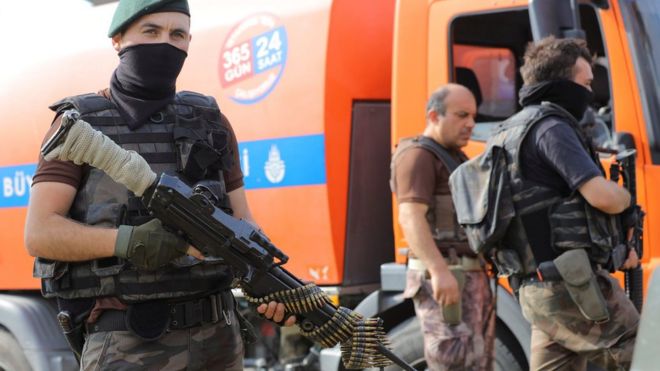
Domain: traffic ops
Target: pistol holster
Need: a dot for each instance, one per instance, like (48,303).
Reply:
(575,270)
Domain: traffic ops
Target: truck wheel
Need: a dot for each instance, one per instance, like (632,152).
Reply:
(407,342)
(504,359)
(12,357)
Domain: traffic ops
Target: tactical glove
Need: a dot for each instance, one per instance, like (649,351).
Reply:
(149,246)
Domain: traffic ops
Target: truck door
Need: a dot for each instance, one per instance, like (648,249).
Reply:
(638,27)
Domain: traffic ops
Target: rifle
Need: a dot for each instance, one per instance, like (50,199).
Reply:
(256,262)
(623,167)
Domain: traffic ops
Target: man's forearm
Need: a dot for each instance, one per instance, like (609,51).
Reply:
(60,238)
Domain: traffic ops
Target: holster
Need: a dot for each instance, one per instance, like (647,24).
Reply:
(73,333)
(452,313)
(575,270)
(248,333)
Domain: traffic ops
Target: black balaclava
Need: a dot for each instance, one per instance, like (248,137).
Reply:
(571,96)
(145,80)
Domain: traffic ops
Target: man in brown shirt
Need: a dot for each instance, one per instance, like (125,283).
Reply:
(447,282)
(144,298)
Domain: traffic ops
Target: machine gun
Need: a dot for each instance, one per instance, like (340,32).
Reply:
(623,167)
(256,262)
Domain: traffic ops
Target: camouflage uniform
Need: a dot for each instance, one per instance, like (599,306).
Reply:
(542,220)
(208,347)
(562,339)
(466,346)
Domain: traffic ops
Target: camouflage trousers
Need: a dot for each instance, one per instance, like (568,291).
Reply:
(562,339)
(209,347)
(466,346)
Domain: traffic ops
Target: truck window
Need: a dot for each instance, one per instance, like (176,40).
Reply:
(487,48)
(642,19)
(490,74)
(486,54)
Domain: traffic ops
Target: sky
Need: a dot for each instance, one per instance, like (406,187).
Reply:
(34,31)
(33,28)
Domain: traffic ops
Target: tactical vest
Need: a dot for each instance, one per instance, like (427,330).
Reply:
(441,215)
(573,223)
(185,139)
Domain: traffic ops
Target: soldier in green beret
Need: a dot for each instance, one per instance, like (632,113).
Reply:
(136,295)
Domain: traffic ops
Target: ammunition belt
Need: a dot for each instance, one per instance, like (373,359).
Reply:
(359,337)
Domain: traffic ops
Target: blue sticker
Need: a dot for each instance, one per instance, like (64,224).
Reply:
(270,50)
(268,163)
(16,183)
(283,162)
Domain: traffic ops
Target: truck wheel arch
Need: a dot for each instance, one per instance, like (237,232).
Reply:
(31,321)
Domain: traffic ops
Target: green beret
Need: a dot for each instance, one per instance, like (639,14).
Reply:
(130,10)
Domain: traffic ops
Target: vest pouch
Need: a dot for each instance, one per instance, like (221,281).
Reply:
(440,218)
(108,266)
(604,232)
(452,314)
(220,140)
(568,224)
(49,269)
(194,158)
(447,233)
(105,215)
(578,277)
(195,155)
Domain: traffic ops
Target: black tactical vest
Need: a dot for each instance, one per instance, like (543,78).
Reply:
(573,223)
(441,215)
(185,139)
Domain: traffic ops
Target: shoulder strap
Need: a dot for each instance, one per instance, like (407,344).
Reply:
(195,99)
(85,103)
(439,151)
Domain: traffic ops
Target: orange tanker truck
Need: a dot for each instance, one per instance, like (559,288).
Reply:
(318,92)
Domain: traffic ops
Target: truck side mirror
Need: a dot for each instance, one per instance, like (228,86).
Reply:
(560,18)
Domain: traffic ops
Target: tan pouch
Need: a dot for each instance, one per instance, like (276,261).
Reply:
(574,268)
(452,313)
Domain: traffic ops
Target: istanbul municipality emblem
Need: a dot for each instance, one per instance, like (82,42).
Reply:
(274,167)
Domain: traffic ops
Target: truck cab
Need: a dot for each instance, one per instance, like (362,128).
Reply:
(480,44)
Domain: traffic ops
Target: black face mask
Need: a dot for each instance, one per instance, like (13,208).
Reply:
(571,96)
(145,80)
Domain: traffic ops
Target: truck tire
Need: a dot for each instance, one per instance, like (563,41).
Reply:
(407,342)
(504,359)
(12,357)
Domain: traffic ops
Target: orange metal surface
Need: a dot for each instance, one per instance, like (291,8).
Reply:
(629,117)
(358,68)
